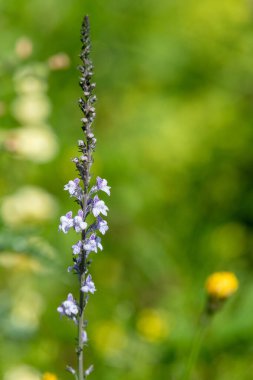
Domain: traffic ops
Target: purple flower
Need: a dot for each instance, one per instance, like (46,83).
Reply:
(99,207)
(92,244)
(102,185)
(66,222)
(79,223)
(102,225)
(88,285)
(69,308)
(77,247)
(74,189)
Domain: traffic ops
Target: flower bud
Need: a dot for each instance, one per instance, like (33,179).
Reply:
(219,287)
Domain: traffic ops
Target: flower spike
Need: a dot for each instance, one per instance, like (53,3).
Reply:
(82,190)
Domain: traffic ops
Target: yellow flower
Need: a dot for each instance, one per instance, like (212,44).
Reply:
(110,338)
(152,325)
(221,285)
(49,376)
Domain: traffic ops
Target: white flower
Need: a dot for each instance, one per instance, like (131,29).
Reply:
(38,144)
(74,189)
(79,224)
(69,308)
(102,185)
(90,245)
(93,243)
(102,225)
(99,207)
(28,205)
(77,247)
(66,222)
(88,286)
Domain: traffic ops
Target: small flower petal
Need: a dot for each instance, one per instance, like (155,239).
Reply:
(102,225)
(102,185)
(77,247)
(79,223)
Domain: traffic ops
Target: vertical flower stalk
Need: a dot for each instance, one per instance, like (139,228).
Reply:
(85,195)
(219,287)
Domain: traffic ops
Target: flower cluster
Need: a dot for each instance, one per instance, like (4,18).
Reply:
(69,308)
(67,222)
(90,241)
(86,196)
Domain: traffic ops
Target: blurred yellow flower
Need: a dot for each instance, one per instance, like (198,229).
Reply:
(19,262)
(23,317)
(152,325)
(109,338)
(49,376)
(221,285)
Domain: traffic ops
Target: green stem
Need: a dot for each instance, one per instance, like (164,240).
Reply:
(195,349)
(82,300)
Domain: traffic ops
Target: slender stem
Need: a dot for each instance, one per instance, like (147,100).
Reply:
(82,301)
(195,349)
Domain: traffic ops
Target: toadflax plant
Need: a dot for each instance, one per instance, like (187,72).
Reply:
(86,196)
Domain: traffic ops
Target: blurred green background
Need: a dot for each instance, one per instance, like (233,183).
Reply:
(175,135)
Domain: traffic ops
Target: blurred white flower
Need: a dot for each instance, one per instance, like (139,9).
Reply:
(22,315)
(35,69)
(28,205)
(30,84)
(23,47)
(38,144)
(31,108)
(22,372)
